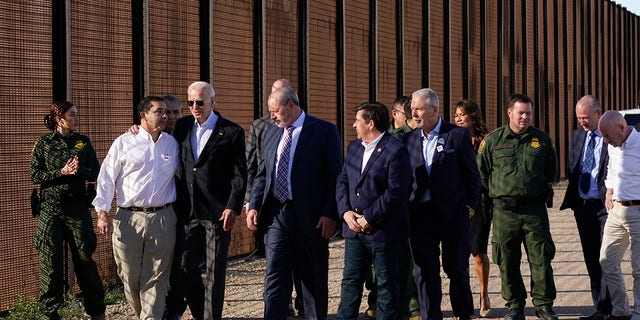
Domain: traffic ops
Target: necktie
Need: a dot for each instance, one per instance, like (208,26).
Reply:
(281,185)
(587,164)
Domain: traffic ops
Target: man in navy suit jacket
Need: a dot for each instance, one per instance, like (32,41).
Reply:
(446,186)
(588,207)
(372,193)
(210,187)
(295,202)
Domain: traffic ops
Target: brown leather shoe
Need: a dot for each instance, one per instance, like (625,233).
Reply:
(370,313)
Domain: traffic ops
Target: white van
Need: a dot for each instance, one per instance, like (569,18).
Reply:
(632,116)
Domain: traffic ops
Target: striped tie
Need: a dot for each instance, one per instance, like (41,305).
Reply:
(281,185)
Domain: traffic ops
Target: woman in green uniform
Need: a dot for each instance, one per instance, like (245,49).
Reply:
(62,162)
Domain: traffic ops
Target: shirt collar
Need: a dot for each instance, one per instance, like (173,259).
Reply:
(210,123)
(433,131)
(372,144)
(631,139)
(300,121)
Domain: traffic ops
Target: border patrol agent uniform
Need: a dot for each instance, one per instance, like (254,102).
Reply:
(64,215)
(518,170)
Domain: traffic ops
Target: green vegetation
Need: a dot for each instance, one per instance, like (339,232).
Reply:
(72,309)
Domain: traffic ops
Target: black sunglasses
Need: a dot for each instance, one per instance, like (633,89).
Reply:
(190,103)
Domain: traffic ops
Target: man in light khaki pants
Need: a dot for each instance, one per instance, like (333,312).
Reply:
(141,169)
(622,202)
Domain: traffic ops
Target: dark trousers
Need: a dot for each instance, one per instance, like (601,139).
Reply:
(429,230)
(590,219)
(513,227)
(284,247)
(408,304)
(74,226)
(358,254)
(204,262)
(175,302)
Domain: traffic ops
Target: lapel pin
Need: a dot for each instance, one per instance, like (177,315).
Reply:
(379,150)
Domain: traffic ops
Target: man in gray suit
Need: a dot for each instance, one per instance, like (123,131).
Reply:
(588,158)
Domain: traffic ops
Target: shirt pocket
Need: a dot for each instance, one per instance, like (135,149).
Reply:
(504,158)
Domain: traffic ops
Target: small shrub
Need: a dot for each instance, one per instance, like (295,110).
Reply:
(26,309)
(114,295)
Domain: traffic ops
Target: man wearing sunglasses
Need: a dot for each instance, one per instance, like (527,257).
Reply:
(211,186)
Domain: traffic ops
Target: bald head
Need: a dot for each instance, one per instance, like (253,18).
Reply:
(281,83)
(614,128)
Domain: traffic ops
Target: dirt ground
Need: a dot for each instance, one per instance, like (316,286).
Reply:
(243,298)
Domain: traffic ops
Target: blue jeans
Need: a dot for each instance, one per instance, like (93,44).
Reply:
(358,254)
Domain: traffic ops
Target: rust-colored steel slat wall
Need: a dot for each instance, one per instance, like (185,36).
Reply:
(101,85)
(457,56)
(25,96)
(173,48)
(232,78)
(412,46)
(337,53)
(386,56)
(475,47)
(356,61)
(322,59)
(436,46)
(493,105)
(280,42)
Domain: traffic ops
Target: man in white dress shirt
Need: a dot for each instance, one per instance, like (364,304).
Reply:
(140,169)
(622,201)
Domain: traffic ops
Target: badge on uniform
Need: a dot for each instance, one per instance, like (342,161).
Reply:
(535,143)
(439,148)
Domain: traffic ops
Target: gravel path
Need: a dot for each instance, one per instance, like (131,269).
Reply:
(243,298)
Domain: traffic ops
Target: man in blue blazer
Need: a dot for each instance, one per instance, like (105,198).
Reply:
(293,199)
(446,186)
(372,193)
(586,194)
(210,187)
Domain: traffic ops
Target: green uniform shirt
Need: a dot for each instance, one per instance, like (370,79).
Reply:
(398,133)
(50,153)
(517,165)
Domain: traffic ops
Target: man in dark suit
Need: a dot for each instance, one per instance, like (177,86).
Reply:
(372,192)
(446,186)
(211,187)
(588,158)
(293,198)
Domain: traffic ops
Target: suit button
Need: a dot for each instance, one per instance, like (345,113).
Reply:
(195,169)
(357,194)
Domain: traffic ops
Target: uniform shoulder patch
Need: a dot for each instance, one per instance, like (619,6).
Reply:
(481,147)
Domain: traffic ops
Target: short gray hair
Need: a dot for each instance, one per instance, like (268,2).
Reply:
(429,95)
(202,84)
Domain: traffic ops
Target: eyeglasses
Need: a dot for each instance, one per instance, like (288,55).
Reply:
(200,103)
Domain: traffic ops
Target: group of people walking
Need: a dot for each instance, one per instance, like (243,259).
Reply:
(413,193)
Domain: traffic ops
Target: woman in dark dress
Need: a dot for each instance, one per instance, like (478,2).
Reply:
(468,115)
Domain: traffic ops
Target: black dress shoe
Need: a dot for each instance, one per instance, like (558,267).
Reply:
(595,316)
(547,314)
(514,314)
(612,317)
